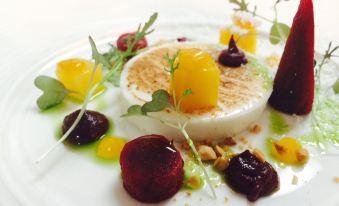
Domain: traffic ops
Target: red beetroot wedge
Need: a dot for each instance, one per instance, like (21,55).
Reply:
(293,90)
(151,168)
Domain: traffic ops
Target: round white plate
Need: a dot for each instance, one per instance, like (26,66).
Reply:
(69,178)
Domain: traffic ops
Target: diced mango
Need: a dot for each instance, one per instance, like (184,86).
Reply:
(75,74)
(288,150)
(247,41)
(110,147)
(197,71)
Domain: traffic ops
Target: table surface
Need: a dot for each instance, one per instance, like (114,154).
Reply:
(30,30)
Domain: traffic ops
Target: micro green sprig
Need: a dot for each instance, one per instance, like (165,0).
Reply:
(98,59)
(279,31)
(160,101)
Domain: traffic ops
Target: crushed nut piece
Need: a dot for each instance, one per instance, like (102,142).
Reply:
(221,163)
(230,141)
(185,145)
(336,179)
(256,152)
(188,194)
(243,139)
(193,182)
(226,199)
(273,60)
(255,129)
(302,155)
(294,180)
(219,151)
(280,149)
(206,153)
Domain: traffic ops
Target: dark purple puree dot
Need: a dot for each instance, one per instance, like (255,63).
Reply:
(90,128)
(232,56)
(248,175)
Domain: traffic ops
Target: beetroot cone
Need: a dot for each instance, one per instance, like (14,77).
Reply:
(293,90)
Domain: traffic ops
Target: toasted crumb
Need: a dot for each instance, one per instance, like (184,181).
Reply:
(185,146)
(280,149)
(302,155)
(230,141)
(256,129)
(273,60)
(188,194)
(219,151)
(206,153)
(336,179)
(294,180)
(256,152)
(193,182)
(221,163)
(226,199)
(244,140)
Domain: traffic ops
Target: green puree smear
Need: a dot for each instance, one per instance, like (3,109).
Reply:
(261,71)
(277,123)
(325,128)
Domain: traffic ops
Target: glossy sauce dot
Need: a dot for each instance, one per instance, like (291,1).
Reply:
(110,147)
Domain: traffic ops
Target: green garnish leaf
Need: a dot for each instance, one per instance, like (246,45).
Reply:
(279,32)
(54,92)
(187,92)
(133,110)
(242,5)
(97,56)
(160,100)
(336,87)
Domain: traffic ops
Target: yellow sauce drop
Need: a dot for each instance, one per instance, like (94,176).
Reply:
(197,71)
(288,150)
(246,41)
(110,147)
(75,74)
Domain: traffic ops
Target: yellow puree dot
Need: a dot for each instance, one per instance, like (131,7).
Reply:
(286,150)
(110,147)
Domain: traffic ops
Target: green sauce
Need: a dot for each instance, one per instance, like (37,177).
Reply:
(261,71)
(325,119)
(277,123)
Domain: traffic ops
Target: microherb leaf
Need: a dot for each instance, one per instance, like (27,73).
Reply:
(133,111)
(54,92)
(336,87)
(187,92)
(98,58)
(279,32)
(242,5)
(160,100)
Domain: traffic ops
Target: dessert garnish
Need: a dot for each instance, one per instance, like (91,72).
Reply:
(279,31)
(124,39)
(110,147)
(195,70)
(254,177)
(232,56)
(91,127)
(288,150)
(151,168)
(293,89)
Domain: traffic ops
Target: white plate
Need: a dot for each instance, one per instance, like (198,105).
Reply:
(72,178)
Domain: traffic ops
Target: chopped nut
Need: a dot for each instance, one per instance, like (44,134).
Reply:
(302,155)
(193,182)
(294,180)
(185,145)
(188,194)
(255,129)
(221,163)
(259,155)
(206,153)
(243,139)
(230,141)
(336,179)
(273,60)
(226,199)
(219,151)
(280,149)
